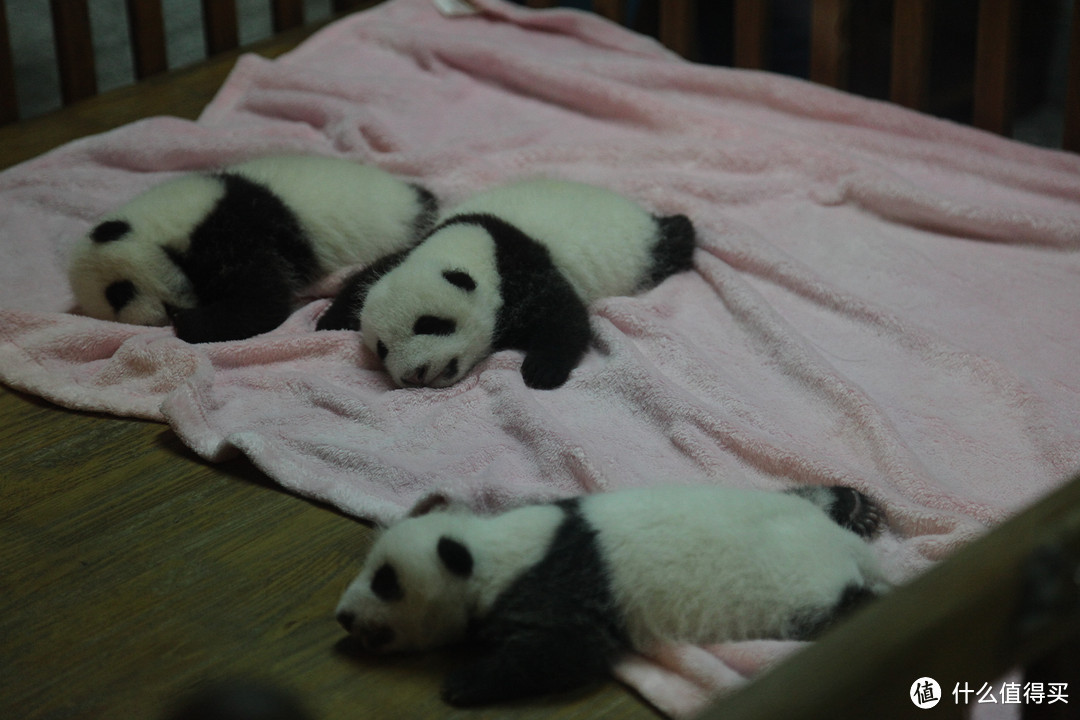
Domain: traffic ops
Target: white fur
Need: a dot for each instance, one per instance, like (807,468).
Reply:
(599,240)
(697,564)
(352,213)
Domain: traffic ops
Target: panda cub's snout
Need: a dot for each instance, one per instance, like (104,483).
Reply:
(372,636)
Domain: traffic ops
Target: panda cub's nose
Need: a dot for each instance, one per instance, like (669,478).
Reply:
(346,619)
(416,377)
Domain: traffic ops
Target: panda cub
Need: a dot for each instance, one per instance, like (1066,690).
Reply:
(513,267)
(222,255)
(555,594)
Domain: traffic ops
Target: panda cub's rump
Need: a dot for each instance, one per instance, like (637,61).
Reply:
(555,594)
(222,255)
(512,267)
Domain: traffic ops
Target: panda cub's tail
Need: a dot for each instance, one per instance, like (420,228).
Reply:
(847,507)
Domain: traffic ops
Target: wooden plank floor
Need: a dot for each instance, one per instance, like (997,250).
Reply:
(130,571)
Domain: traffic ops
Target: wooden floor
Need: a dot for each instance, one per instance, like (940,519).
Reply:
(131,571)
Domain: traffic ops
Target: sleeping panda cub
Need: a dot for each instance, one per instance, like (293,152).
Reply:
(222,255)
(513,267)
(555,594)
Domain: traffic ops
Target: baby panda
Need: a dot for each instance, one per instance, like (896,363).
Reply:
(555,594)
(512,267)
(222,255)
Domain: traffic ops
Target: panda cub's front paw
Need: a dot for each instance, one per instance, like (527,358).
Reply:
(543,372)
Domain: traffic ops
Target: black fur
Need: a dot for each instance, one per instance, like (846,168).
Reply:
(119,294)
(246,260)
(810,624)
(385,584)
(455,557)
(555,628)
(540,313)
(432,325)
(460,278)
(429,210)
(344,311)
(674,251)
(110,230)
(847,507)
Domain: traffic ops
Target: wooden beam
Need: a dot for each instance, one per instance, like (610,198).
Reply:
(678,26)
(995,66)
(220,26)
(1072,85)
(9,103)
(146,23)
(913,25)
(288,14)
(74,50)
(752,31)
(829,42)
(611,9)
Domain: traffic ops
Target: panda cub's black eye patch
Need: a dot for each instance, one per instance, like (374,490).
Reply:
(460,278)
(385,585)
(380,349)
(120,293)
(431,325)
(110,230)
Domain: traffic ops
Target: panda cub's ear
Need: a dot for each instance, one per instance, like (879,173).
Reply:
(461,279)
(455,556)
(109,231)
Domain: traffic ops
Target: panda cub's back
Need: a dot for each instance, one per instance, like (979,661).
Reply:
(710,564)
(325,194)
(601,241)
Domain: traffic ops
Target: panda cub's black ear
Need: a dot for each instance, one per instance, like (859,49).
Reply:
(455,556)
(460,278)
(110,230)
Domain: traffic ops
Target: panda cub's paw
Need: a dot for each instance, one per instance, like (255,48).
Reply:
(545,372)
(469,686)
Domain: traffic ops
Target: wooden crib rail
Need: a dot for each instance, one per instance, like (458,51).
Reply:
(146,23)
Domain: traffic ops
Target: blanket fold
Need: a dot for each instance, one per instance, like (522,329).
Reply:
(880,299)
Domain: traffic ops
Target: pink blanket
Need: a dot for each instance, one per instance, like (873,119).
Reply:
(881,299)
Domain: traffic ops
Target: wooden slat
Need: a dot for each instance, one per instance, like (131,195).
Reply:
(146,23)
(678,26)
(9,103)
(611,9)
(913,24)
(995,66)
(220,26)
(751,42)
(829,43)
(1072,85)
(288,14)
(74,50)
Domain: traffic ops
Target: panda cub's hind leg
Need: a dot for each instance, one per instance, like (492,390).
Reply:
(847,507)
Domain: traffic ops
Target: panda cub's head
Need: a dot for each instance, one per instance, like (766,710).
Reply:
(125,269)
(414,588)
(433,317)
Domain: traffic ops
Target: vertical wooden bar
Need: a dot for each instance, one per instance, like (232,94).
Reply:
(829,42)
(913,24)
(287,14)
(146,23)
(678,26)
(611,9)
(751,41)
(220,25)
(9,102)
(74,50)
(994,66)
(1072,85)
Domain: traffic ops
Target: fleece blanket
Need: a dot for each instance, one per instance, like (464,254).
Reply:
(880,299)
